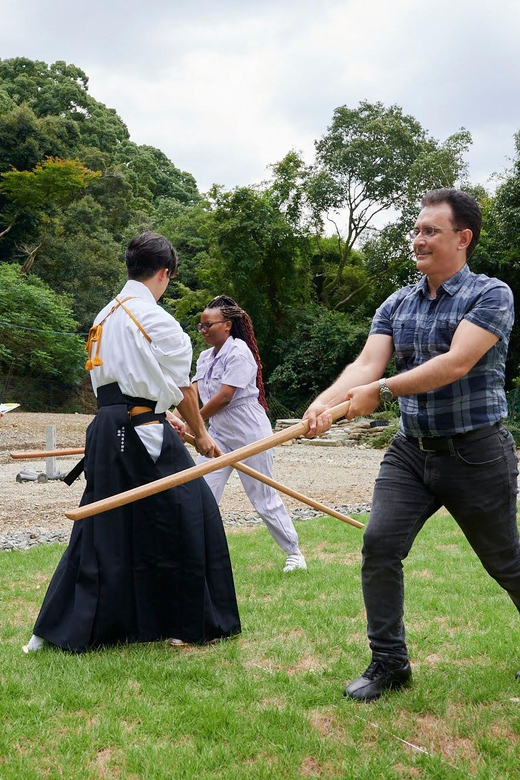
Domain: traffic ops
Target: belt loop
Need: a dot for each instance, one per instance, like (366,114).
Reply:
(451,447)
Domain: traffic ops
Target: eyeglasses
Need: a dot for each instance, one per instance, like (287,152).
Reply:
(429,231)
(202,326)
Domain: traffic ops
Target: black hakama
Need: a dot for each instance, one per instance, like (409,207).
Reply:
(149,570)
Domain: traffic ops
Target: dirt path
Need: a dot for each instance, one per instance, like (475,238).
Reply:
(334,475)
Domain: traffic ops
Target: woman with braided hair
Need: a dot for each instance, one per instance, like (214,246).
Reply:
(230,386)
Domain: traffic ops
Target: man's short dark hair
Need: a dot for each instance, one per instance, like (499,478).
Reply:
(148,253)
(465,209)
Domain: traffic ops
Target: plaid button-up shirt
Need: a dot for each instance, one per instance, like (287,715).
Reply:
(422,327)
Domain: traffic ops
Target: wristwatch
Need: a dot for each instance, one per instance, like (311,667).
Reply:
(385,394)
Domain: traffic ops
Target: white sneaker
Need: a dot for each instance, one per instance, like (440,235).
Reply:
(35,643)
(295,561)
(176,642)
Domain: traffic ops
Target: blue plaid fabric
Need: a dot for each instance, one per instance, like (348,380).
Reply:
(423,327)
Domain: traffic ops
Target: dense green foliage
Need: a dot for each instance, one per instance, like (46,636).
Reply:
(498,253)
(37,333)
(370,160)
(300,252)
(322,343)
(74,187)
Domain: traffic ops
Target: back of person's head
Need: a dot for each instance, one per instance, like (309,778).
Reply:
(464,208)
(148,253)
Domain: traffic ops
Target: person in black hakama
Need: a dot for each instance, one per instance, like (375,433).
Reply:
(157,568)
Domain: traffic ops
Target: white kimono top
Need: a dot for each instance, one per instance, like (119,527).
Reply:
(154,370)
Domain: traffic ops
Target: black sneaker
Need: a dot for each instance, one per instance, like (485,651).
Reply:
(380,676)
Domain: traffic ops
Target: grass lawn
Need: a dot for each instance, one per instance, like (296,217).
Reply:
(269,703)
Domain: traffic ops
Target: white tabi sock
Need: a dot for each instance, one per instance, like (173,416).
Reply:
(35,643)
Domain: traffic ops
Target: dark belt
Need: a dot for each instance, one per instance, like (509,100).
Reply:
(450,443)
(111,395)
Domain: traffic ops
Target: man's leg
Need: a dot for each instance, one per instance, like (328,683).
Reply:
(478,486)
(402,503)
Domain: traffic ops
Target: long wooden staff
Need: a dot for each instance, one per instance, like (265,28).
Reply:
(238,466)
(172,480)
(287,490)
(46,453)
(294,494)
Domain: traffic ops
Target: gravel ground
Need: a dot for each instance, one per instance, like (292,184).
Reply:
(33,512)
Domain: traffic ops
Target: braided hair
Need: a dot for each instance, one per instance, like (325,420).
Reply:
(241,328)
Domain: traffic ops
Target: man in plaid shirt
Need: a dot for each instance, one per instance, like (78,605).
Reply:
(449,333)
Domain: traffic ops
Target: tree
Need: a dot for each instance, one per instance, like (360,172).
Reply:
(61,90)
(80,258)
(39,194)
(52,182)
(498,252)
(311,358)
(38,332)
(388,259)
(153,176)
(255,256)
(371,160)
(189,230)
(74,187)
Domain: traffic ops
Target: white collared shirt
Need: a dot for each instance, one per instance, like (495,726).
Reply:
(154,370)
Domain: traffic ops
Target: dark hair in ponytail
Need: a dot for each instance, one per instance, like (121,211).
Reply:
(241,328)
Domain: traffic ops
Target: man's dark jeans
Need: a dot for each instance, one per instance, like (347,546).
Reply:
(478,486)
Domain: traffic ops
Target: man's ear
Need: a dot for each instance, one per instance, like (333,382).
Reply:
(466,237)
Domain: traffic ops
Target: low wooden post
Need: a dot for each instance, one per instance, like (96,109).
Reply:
(50,444)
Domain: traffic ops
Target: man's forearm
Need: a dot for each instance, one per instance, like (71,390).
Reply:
(437,372)
(469,344)
(366,368)
(352,376)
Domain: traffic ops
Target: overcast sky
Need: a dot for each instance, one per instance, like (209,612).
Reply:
(227,87)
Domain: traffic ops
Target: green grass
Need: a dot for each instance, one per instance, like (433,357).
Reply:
(269,703)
